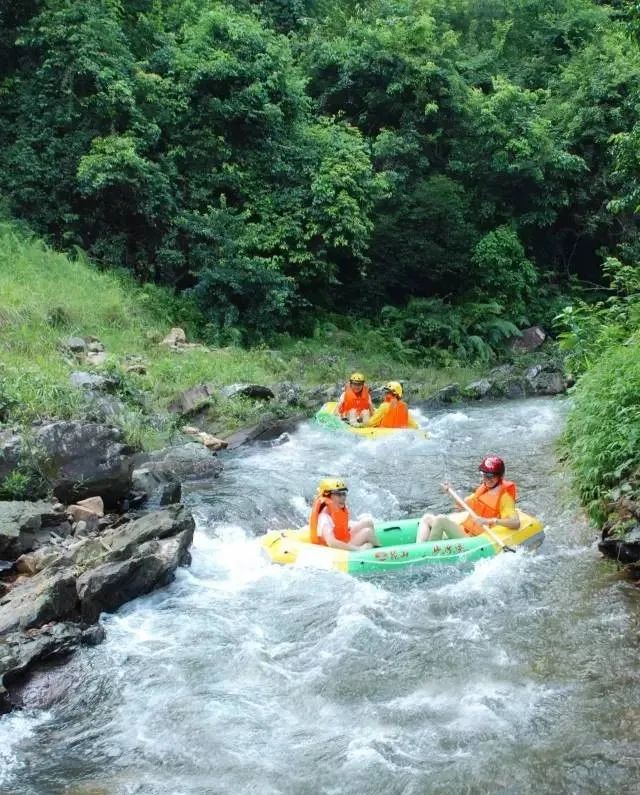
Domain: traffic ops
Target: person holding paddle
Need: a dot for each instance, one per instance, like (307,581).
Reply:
(492,503)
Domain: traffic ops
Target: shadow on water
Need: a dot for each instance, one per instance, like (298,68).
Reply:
(515,675)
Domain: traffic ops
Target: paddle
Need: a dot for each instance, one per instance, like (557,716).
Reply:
(475,517)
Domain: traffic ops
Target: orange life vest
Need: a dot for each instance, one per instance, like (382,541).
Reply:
(354,401)
(396,417)
(340,518)
(486,503)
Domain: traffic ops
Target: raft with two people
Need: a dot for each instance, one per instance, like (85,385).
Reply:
(489,525)
(353,412)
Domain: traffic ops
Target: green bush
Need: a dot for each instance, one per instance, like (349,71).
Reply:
(603,430)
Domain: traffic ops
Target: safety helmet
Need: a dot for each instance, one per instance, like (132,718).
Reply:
(356,378)
(329,485)
(492,465)
(395,387)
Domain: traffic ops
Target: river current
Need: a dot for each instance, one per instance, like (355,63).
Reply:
(516,675)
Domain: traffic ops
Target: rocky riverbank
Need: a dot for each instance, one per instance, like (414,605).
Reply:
(106,525)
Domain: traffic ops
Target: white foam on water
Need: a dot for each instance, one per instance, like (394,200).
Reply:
(15,729)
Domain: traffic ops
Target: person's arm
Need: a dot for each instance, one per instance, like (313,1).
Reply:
(338,408)
(378,415)
(412,422)
(325,525)
(508,514)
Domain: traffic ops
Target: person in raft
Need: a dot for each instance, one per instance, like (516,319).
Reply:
(329,523)
(494,501)
(393,412)
(354,405)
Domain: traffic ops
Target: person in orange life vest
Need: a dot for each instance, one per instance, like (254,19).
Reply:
(329,523)
(354,405)
(494,501)
(393,412)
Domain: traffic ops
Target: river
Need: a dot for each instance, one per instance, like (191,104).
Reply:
(516,675)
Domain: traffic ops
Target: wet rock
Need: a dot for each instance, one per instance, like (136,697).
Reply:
(248,390)
(107,587)
(84,460)
(19,651)
(479,389)
(263,431)
(171,493)
(545,381)
(622,551)
(448,394)
(182,462)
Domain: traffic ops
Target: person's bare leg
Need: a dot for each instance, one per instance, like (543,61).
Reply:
(443,527)
(362,532)
(424,528)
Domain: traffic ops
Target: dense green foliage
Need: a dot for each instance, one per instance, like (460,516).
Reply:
(450,165)
(603,431)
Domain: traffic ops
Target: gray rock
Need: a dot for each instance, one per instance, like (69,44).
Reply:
(546,380)
(76,344)
(263,431)
(529,339)
(248,390)
(192,400)
(181,462)
(10,452)
(47,596)
(107,587)
(92,381)
(479,389)
(19,523)
(448,394)
(19,651)
(84,459)
(171,493)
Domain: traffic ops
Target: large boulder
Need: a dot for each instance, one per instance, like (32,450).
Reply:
(546,379)
(84,459)
(182,462)
(529,339)
(109,586)
(19,523)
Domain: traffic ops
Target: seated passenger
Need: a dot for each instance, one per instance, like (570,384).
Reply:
(329,523)
(494,502)
(393,412)
(354,405)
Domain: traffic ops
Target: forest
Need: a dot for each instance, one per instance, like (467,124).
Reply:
(447,170)
(433,173)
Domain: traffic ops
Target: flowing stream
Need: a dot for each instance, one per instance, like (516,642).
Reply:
(516,675)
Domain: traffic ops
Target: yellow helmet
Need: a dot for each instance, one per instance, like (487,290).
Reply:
(395,387)
(328,485)
(356,378)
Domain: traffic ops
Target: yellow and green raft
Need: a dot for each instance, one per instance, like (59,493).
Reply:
(398,549)
(327,419)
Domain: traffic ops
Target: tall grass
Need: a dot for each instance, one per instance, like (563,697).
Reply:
(46,297)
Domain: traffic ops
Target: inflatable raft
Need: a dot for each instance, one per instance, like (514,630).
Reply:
(328,419)
(399,550)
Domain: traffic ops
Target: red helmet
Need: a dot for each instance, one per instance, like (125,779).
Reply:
(492,465)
